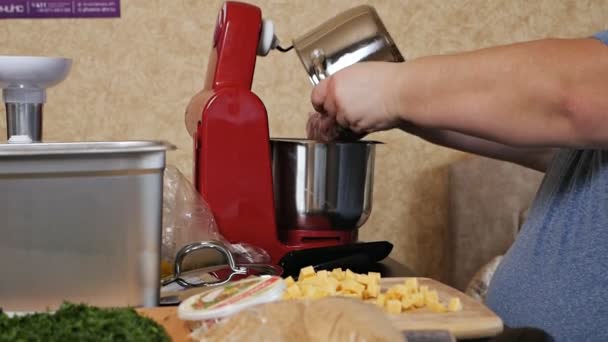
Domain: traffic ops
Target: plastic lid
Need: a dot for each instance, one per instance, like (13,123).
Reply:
(226,300)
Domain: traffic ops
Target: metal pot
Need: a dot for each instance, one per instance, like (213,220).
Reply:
(322,185)
(353,36)
(81,222)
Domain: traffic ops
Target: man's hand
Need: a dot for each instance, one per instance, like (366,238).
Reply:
(362,98)
(323,128)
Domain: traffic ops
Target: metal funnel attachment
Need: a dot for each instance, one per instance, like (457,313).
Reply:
(24,81)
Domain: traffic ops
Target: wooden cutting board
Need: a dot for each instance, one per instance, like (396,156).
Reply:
(167,317)
(474,321)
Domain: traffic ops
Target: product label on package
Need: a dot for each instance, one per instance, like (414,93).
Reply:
(13,9)
(234,293)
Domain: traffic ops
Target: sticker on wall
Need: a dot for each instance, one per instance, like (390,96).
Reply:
(13,9)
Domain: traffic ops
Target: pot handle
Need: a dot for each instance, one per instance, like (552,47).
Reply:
(197,246)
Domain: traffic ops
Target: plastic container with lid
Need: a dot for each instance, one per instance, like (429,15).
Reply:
(218,302)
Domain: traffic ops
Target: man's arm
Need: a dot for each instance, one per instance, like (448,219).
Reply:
(534,158)
(551,92)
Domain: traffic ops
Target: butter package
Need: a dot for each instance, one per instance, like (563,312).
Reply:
(219,302)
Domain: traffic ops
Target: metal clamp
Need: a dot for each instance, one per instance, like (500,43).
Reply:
(197,246)
(234,268)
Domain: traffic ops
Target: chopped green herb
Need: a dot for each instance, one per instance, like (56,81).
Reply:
(80,322)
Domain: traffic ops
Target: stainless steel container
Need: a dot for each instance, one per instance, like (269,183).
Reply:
(81,222)
(322,186)
(353,36)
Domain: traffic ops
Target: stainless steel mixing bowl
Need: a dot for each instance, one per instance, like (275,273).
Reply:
(322,186)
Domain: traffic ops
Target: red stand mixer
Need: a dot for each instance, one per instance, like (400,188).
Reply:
(233,153)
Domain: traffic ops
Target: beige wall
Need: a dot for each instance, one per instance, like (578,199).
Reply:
(133,77)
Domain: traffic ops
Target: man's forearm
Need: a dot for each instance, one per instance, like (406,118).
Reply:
(534,158)
(535,94)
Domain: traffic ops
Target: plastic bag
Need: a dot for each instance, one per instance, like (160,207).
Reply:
(326,319)
(186,219)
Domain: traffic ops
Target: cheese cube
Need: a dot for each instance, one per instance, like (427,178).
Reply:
(431,297)
(372,290)
(307,272)
(329,289)
(411,284)
(289,281)
(374,275)
(313,281)
(392,294)
(436,307)
(319,293)
(294,291)
(407,303)
(363,279)
(352,286)
(338,274)
(393,306)
(309,291)
(455,304)
(349,275)
(400,291)
(333,282)
(423,289)
(323,274)
(418,299)
(381,300)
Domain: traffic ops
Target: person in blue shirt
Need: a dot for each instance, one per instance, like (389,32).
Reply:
(542,104)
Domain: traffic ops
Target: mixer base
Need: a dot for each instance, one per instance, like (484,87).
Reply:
(295,237)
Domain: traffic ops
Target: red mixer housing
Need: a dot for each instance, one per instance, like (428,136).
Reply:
(232,157)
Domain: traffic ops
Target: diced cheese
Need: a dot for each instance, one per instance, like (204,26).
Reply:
(307,272)
(403,297)
(352,286)
(431,297)
(363,279)
(455,304)
(374,275)
(289,281)
(294,291)
(418,300)
(407,303)
(372,290)
(381,300)
(338,274)
(436,307)
(393,306)
(411,284)
(322,274)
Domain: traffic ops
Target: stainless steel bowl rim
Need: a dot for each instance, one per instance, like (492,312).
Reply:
(314,142)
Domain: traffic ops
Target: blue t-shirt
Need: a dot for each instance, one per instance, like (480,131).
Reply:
(555,276)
